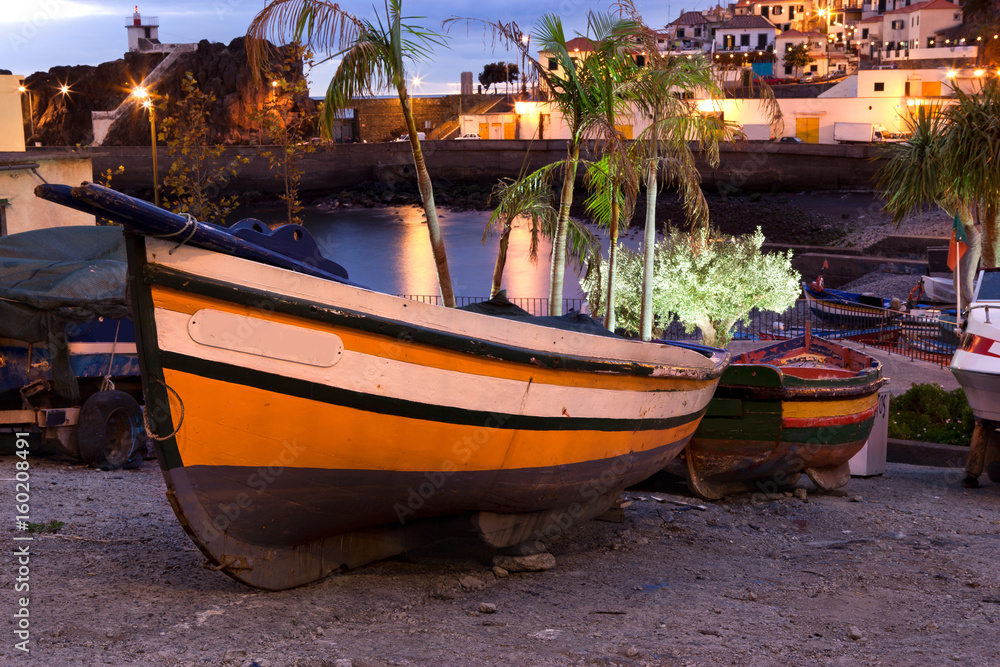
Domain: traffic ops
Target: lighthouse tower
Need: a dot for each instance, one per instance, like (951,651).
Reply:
(142,34)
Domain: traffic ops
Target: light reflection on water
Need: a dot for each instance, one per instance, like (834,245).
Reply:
(388,250)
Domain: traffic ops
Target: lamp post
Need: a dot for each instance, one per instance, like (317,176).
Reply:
(142,94)
(524,73)
(31,108)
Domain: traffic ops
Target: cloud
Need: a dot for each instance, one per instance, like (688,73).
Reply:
(41,12)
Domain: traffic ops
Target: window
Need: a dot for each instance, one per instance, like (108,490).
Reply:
(761,40)
(640,61)
(788,69)
(553,64)
(765,11)
(801,9)
(744,40)
(697,32)
(814,68)
(906,89)
(776,11)
(791,13)
(787,26)
(897,25)
(864,33)
(680,32)
(147,31)
(728,42)
(880,87)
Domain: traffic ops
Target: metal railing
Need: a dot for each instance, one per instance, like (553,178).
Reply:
(534,305)
(922,335)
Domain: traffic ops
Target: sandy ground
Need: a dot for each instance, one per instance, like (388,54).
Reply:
(895,570)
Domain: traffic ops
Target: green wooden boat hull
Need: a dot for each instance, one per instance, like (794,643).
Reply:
(802,405)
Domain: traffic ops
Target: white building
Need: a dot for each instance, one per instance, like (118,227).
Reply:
(880,97)
(143,35)
(745,34)
(817,44)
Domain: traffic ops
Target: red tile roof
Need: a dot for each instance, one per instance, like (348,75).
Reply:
(750,21)
(579,43)
(932,4)
(690,18)
(872,19)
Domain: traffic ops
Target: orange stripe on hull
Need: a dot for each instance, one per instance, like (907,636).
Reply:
(227,424)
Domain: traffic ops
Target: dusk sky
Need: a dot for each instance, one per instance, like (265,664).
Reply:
(36,35)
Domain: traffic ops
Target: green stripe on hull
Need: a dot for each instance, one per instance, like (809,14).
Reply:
(830,434)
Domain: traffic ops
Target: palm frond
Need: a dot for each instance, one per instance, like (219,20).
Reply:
(913,174)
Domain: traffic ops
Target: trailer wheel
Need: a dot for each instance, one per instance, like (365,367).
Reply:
(110,431)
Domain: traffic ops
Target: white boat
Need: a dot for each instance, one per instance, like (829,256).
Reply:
(938,290)
(976,363)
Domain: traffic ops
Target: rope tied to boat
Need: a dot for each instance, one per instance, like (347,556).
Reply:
(106,383)
(180,420)
(189,221)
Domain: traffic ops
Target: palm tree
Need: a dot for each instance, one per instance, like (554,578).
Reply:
(971,152)
(613,180)
(531,195)
(373,56)
(578,95)
(664,149)
(952,160)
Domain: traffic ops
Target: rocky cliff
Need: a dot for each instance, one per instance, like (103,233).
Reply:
(64,119)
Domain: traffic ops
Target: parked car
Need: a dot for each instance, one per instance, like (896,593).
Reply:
(468,135)
(790,140)
(808,78)
(406,137)
(770,80)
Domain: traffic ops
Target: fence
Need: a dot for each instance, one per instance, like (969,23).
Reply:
(924,334)
(534,305)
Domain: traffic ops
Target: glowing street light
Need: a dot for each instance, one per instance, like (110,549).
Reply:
(145,99)
(979,72)
(951,74)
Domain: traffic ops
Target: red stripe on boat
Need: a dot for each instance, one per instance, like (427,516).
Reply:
(839,420)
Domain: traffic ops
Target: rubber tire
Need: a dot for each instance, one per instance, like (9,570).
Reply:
(110,432)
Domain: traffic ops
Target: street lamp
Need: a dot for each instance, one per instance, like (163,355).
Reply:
(31,108)
(144,98)
(524,73)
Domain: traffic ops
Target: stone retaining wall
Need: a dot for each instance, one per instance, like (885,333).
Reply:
(753,167)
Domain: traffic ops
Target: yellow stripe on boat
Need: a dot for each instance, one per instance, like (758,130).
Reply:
(827,408)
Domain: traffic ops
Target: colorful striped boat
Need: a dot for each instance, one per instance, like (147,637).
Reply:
(803,405)
(308,425)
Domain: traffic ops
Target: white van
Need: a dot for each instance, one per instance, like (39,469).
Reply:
(406,137)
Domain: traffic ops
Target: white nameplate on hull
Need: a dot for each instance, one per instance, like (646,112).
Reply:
(274,340)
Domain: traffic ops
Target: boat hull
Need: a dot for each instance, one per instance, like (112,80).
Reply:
(308,426)
(773,419)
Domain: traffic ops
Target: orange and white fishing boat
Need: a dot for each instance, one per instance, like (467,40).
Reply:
(306,424)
